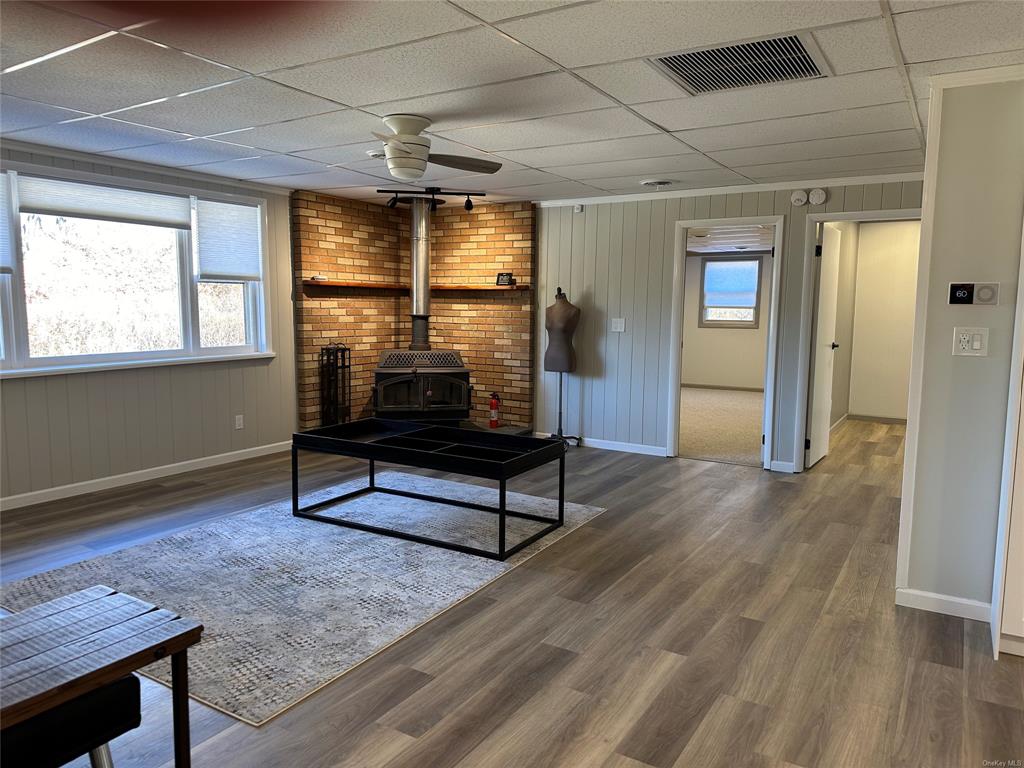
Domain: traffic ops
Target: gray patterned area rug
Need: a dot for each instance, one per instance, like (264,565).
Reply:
(290,604)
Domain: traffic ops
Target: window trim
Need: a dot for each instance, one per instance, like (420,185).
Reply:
(17,362)
(750,325)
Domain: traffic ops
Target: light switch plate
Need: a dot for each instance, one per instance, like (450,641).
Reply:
(618,324)
(970,342)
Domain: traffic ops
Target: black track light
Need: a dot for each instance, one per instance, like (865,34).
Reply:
(433,203)
(393,202)
(469,203)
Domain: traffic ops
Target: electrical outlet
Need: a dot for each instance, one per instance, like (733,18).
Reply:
(970,342)
(239,422)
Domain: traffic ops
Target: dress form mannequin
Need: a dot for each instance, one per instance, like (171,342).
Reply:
(560,320)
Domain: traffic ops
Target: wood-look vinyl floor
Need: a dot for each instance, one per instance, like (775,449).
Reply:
(716,615)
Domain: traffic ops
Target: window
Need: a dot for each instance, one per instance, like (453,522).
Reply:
(730,292)
(93,275)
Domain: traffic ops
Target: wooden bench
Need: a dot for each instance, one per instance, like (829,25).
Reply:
(55,652)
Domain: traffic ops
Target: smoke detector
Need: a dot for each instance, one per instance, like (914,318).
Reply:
(657,183)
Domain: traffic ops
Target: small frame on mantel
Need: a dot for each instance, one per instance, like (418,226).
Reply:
(505,278)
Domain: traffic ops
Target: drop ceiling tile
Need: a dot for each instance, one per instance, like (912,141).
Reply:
(652,166)
(259,167)
(188,152)
(340,155)
(902,6)
(599,33)
(870,143)
(546,131)
(652,145)
(29,31)
(489,10)
(117,15)
(960,30)
(783,130)
(919,73)
(803,176)
(112,74)
(841,165)
(551,94)
(856,47)
(713,177)
(18,114)
(241,104)
(95,134)
(345,126)
(632,81)
(805,97)
(482,182)
(267,36)
(555,191)
(457,60)
(333,178)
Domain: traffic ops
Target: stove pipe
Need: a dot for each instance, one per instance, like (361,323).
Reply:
(420,287)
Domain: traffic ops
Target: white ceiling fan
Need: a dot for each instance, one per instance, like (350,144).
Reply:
(408,153)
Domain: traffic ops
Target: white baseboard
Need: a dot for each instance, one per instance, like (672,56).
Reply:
(613,445)
(138,476)
(841,420)
(1010,644)
(947,604)
(783,466)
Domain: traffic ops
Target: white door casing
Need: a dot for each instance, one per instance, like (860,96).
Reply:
(823,351)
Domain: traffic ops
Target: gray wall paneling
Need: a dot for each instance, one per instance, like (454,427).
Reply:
(69,428)
(615,260)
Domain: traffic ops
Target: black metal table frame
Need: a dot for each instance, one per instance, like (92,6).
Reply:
(503,552)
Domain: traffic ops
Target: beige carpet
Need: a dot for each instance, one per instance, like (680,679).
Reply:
(720,425)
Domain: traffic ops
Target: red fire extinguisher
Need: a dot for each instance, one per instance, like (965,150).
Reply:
(495,404)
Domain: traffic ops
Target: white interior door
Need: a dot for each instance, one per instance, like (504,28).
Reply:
(819,420)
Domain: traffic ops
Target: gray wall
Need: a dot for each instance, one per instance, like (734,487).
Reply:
(723,357)
(74,427)
(975,235)
(615,260)
(841,362)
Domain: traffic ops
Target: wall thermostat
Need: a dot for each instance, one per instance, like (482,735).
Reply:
(982,294)
(798,198)
(817,196)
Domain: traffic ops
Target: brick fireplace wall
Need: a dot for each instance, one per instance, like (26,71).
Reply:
(345,240)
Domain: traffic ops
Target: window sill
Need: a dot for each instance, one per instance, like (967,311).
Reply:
(60,370)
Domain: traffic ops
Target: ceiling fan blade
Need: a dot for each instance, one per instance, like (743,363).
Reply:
(471,164)
(392,141)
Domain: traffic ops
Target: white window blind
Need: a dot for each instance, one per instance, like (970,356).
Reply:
(69,198)
(6,241)
(228,241)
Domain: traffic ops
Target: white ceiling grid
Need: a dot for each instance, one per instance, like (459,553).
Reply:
(559,91)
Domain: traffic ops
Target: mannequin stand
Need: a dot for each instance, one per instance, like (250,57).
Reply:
(564,438)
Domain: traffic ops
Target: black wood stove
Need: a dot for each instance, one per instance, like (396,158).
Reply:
(421,383)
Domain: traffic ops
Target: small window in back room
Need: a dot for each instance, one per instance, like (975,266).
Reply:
(730,294)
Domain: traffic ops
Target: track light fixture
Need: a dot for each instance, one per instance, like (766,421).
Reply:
(433,203)
(393,202)
(436,195)
(469,203)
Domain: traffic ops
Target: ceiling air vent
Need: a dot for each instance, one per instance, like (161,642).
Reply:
(775,60)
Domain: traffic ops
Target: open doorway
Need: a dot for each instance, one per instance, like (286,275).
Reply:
(862,330)
(727,300)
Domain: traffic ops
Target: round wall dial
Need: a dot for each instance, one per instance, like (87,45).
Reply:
(798,198)
(817,196)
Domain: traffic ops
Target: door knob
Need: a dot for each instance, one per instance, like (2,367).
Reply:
(834,345)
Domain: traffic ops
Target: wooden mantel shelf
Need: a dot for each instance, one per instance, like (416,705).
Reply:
(363,285)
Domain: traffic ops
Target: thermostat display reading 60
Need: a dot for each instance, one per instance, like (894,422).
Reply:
(979,294)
